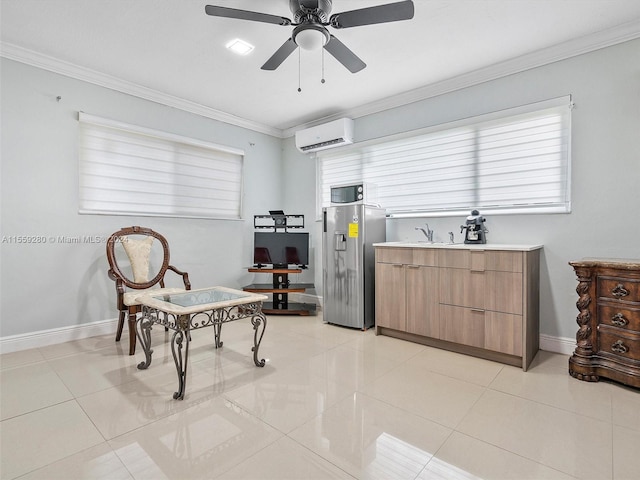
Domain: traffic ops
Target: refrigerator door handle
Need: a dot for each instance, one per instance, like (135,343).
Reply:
(340,242)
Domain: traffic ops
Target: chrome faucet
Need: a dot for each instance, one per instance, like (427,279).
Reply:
(427,233)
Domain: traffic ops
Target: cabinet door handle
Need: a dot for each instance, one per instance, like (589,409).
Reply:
(477,310)
(619,347)
(619,291)
(619,320)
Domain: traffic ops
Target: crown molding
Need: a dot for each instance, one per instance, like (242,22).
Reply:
(572,48)
(578,46)
(55,65)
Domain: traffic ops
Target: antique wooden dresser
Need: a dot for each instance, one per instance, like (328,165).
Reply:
(608,338)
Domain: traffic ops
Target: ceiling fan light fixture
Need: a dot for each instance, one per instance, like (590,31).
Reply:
(239,46)
(310,37)
(310,19)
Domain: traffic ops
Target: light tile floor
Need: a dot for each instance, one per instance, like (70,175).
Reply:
(330,403)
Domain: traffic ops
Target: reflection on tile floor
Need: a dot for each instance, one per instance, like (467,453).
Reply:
(330,403)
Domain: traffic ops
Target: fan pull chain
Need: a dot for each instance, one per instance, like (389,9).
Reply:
(299,68)
(322,79)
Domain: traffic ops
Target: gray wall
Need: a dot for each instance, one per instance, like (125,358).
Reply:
(56,285)
(605,220)
(52,285)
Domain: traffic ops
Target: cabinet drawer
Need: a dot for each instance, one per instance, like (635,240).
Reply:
(394,255)
(504,292)
(503,261)
(462,288)
(619,343)
(498,291)
(626,289)
(503,333)
(626,318)
(481,260)
(425,256)
(500,332)
(454,258)
(462,325)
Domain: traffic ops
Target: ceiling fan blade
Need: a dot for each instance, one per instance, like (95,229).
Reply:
(391,12)
(245,15)
(281,55)
(345,56)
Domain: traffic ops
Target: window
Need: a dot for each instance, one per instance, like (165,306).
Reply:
(514,161)
(129,170)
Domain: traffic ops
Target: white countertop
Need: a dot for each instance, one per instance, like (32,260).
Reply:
(461,246)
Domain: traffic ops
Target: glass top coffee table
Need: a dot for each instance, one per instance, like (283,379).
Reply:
(194,309)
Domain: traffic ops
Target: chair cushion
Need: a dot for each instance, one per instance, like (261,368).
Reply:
(138,252)
(131,298)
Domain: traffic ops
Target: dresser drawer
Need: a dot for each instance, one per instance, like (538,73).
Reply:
(627,318)
(608,339)
(626,289)
(619,343)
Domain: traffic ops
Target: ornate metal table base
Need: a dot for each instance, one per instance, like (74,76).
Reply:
(182,326)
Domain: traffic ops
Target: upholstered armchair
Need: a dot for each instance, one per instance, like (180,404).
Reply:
(138,260)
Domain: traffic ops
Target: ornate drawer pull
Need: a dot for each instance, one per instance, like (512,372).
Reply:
(619,320)
(619,347)
(620,291)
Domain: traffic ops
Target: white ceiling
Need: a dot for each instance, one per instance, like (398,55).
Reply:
(173,51)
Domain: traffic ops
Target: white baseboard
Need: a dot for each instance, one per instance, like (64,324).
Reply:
(53,336)
(557,344)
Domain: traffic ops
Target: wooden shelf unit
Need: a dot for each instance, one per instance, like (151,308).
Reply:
(280,288)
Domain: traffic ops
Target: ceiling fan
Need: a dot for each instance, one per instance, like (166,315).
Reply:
(310,19)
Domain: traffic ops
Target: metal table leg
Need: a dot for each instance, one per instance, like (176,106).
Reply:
(143,331)
(257,320)
(180,356)
(217,330)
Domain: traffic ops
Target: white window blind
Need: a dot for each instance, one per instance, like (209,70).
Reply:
(514,161)
(130,170)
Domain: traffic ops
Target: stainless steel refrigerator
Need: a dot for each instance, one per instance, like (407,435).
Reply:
(348,263)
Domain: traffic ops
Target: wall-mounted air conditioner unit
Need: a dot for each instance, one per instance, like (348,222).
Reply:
(329,135)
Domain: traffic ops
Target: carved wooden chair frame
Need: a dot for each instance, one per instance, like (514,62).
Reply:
(123,281)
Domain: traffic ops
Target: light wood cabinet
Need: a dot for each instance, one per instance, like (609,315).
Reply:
(485,289)
(462,325)
(473,300)
(503,333)
(390,296)
(397,306)
(422,309)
